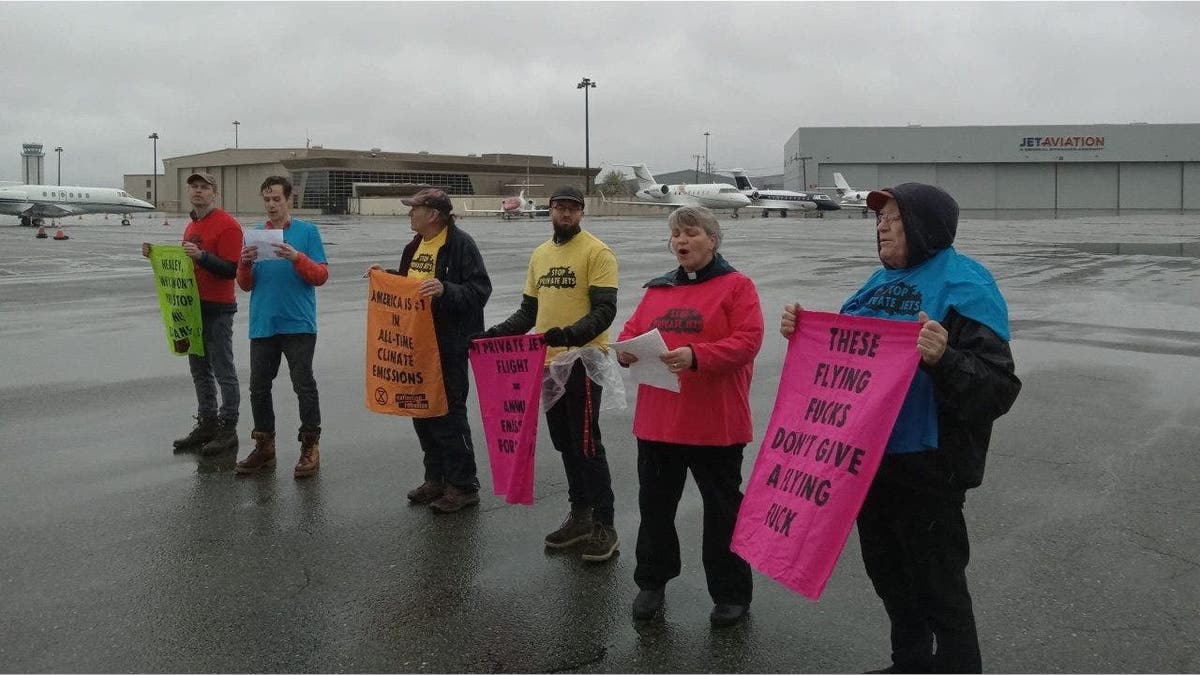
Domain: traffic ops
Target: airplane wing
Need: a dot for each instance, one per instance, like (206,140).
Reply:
(498,212)
(798,207)
(38,210)
(673,205)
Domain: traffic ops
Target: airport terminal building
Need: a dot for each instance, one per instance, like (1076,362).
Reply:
(331,181)
(1034,171)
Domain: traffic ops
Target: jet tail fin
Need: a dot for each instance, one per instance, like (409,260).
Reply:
(645,179)
(740,179)
(842,186)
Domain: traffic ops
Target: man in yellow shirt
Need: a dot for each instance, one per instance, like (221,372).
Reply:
(571,297)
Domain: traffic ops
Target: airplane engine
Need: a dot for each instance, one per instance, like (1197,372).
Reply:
(664,189)
(754,195)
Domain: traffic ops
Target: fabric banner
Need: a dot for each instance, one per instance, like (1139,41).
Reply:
(508,377)
(843,381)
(178,298)
(404,366)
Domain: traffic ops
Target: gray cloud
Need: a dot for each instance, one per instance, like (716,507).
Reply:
(500,77)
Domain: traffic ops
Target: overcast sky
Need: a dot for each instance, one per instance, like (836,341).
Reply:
(97,79)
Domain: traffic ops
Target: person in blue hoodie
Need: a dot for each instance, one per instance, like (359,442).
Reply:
(911,528)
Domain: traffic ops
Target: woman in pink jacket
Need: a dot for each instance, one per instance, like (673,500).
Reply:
(709,316)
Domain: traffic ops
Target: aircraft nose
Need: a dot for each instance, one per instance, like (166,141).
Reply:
(141,204)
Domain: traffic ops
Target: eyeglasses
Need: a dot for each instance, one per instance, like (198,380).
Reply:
(563,208)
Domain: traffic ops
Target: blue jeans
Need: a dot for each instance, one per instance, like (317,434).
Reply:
(265,355)
(216,369)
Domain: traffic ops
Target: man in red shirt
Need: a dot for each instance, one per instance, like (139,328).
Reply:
(213,240)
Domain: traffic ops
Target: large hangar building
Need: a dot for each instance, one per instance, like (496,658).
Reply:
(325,180)
(1026,171)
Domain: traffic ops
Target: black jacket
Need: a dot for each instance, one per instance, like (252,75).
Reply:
(458,313)
(974,382)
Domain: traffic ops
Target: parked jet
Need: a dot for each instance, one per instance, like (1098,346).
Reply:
(33,203)
(781,200)
(715,196)
(515,207)
(850,196)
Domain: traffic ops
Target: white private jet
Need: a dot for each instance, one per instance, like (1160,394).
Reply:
(714,196)
(781,200)
(33,203)
(850,196)
(515,207)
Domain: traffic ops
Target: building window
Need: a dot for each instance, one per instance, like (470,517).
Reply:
(149,196)
(147,182)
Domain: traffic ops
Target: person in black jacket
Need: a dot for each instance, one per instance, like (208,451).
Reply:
(911,527)
(451,268)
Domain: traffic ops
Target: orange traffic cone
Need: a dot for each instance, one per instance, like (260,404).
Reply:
(166,223)
(41,233)
(60,235)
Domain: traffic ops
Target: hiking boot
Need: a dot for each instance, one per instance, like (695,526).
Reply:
(310,454)
(576,528)
(263,454)
(203,432)
(601,545)
(225,440)
(427,492)
(647,604)
(724,614)
(454,499)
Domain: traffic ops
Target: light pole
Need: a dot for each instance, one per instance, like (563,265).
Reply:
(696,175)
(154,137)
(587,149)
(707,170)
(59,151)
(236,124)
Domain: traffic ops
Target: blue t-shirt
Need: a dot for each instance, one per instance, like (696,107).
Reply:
(948,280)
(282,302)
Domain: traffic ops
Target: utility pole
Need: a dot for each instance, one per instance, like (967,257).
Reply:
(707,167)
(587,150)
(59,151)
(154,173)
(696,175)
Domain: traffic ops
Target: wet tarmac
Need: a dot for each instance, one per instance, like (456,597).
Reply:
(119,555)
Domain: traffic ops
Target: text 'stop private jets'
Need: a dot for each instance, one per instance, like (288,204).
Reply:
(714,196)
(33,203)
(781,200)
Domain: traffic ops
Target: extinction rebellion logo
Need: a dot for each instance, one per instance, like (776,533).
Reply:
(1067,143)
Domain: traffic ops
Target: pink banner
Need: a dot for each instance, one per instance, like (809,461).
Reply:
(508,379)
(843,381)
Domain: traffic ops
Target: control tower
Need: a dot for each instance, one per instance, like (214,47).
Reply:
(31,163)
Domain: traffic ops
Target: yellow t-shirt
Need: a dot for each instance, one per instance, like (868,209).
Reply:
(421,265)
(559,277)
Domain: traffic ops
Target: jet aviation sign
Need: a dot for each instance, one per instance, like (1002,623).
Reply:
(1067,143)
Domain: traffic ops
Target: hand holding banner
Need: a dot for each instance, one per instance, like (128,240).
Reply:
(844,379)
(404,365)
(508,376)
(178,298)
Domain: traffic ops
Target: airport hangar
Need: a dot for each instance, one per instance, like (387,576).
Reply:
(1025,171)
(356,181)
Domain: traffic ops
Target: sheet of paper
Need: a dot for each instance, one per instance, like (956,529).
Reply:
(262,240)
(648,370)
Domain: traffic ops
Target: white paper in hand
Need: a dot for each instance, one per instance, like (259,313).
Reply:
(648,369)
(262,240)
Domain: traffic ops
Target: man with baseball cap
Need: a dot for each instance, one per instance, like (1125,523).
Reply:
(453,276)
(571,297)
(212,240)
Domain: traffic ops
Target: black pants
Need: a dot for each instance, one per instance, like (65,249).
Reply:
(446,440)
(662,470)
(265,354)
(916,551)
(574,423)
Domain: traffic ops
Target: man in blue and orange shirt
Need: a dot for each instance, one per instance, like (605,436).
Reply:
(283,322)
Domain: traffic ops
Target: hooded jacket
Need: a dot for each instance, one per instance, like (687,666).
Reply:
(974,383)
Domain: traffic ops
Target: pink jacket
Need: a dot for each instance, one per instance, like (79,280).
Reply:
(721,319)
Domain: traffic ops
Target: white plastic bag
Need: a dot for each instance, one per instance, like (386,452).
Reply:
(601,367)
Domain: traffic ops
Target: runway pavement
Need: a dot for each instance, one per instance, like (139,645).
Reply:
(119,555)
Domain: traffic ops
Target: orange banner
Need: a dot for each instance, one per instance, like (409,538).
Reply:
(404,366)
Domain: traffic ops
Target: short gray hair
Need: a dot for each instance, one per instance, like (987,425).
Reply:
(696,216)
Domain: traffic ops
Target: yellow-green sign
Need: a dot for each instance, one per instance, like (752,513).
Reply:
(178,298)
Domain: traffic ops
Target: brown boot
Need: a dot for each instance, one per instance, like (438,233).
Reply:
(262,456)
(454,499)
(426,492)
(310,454)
